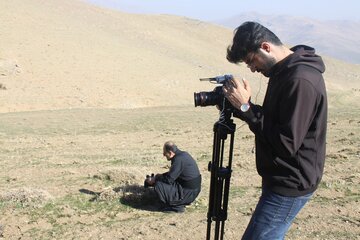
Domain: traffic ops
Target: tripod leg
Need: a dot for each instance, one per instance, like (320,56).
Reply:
(213,168)
(220,180)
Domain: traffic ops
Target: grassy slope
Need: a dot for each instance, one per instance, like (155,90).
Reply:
(62,152)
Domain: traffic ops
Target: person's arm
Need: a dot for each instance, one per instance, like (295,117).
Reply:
(174,172)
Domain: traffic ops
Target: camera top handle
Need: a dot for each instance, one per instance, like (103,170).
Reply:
(218,79)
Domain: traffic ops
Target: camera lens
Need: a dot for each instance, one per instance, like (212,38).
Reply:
(204,99)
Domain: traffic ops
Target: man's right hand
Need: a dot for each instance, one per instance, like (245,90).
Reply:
(238,93)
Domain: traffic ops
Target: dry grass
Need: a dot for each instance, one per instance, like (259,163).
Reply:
(79,174)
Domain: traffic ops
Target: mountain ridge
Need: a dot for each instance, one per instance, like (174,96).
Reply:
(335,38)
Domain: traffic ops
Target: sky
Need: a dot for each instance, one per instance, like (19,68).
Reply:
(212,10)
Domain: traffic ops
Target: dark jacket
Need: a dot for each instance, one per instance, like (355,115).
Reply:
(183,170)
(290,127)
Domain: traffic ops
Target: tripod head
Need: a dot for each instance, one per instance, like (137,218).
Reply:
(225,120)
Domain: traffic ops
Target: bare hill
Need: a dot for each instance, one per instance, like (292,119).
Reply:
(68,54)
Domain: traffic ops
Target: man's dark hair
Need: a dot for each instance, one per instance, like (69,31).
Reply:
(170,146)
(248,38)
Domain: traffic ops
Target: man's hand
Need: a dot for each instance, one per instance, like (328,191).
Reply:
(236,92)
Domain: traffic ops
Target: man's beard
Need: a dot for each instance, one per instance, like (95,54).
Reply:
(269,64)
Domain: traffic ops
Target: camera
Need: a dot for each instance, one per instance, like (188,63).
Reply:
(148,179)
(215,97)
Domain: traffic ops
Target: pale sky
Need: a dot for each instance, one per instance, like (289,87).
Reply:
(208,10)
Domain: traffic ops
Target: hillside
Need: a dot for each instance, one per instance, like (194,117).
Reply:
(68,54)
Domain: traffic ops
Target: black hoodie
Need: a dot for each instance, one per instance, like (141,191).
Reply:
(290,127)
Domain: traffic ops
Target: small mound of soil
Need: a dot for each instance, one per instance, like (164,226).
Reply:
(26,196)
(119,176)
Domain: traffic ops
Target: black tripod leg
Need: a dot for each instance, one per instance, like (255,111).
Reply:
(213,168)
(220,179)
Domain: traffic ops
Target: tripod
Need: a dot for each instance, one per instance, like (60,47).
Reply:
(220,175)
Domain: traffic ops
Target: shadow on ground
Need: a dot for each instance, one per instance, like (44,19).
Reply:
(134,196)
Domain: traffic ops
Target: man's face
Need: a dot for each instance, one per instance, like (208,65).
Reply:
(260,61)
(168,155)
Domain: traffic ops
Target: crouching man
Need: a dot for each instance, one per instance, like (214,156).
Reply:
(181,184)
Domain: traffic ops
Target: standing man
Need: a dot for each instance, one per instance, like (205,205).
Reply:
(181,184)
(289,128)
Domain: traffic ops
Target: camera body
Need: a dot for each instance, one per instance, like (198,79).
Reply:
(215,97)
(149,178)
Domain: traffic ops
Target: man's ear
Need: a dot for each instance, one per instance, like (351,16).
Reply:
(265,47)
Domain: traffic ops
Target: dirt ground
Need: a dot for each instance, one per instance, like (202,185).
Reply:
(78,174)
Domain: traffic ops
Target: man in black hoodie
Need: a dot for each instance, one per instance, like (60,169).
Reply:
(289,128)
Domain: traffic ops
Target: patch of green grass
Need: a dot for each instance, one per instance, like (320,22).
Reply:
(78,204)
(82,204)
(205,156)
(332,235)
(118,161)
(59,214)
(324,184)
(14,205)
(197,208)
(50,211)
(352,195)
(237,191)
(322,199)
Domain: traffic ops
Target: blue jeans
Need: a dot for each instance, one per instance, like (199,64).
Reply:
(273,216)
